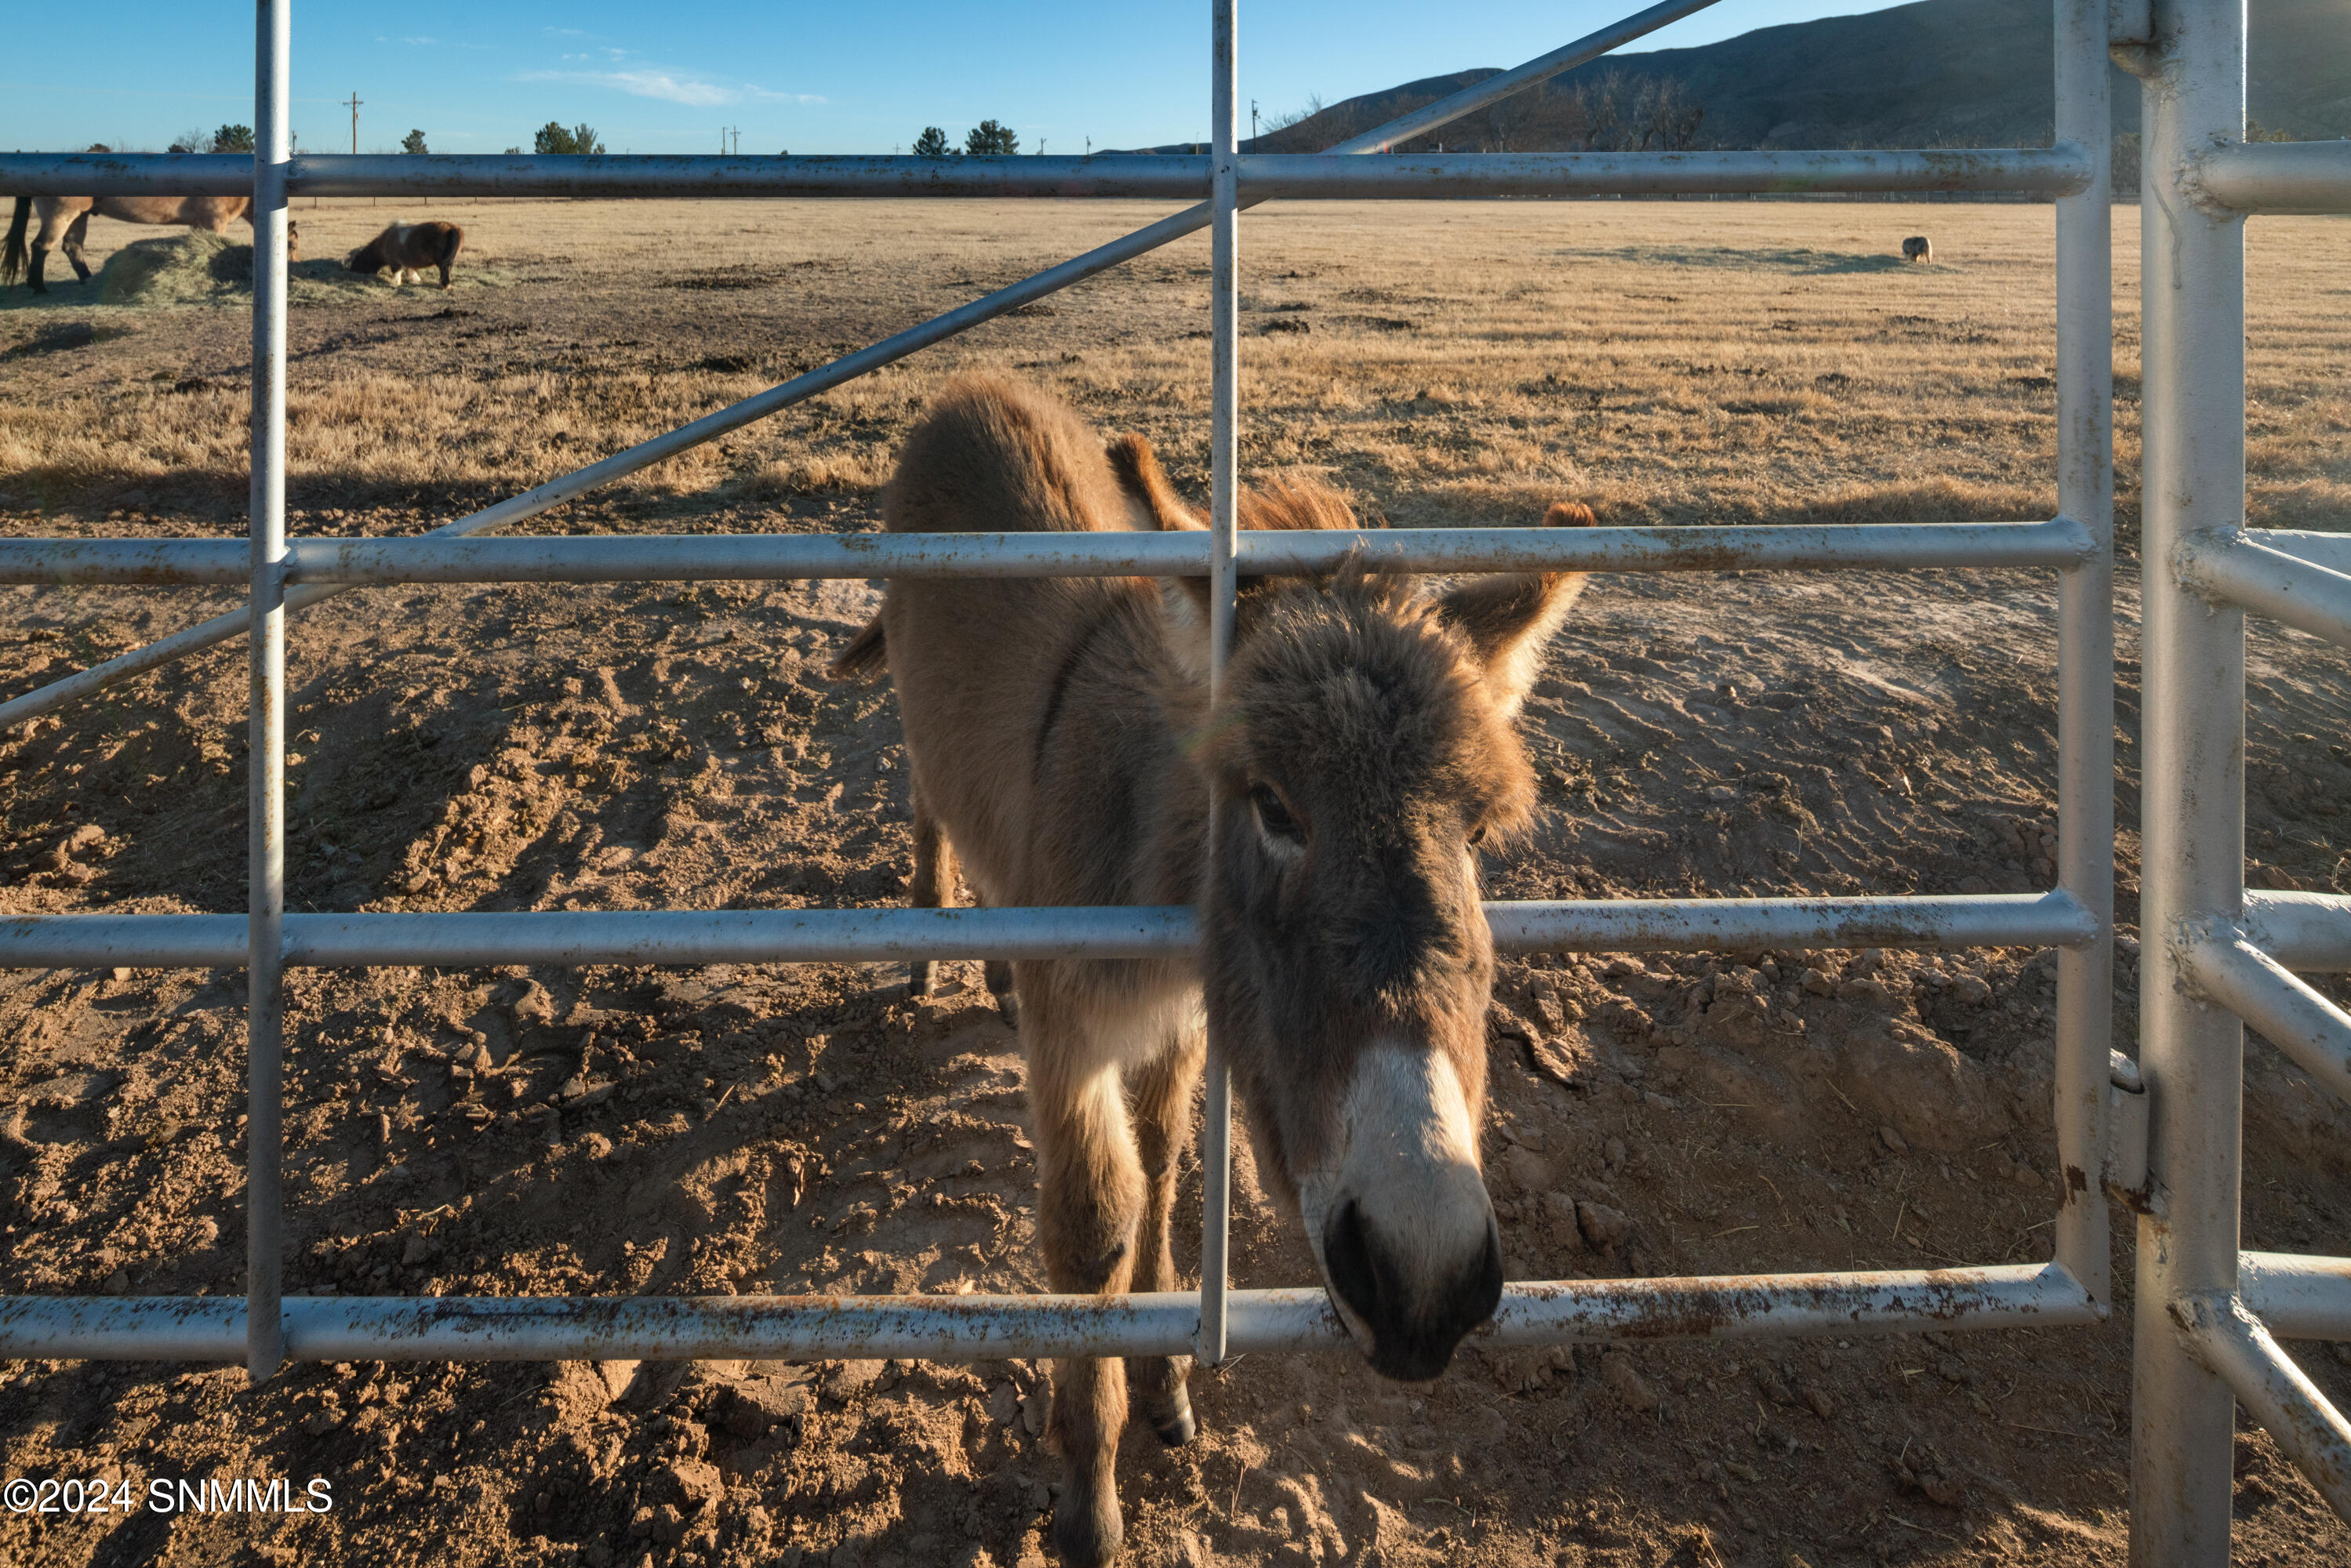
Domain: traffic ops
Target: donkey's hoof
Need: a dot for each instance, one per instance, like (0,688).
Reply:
(918,977)
(1087,1530)
(1176,1428)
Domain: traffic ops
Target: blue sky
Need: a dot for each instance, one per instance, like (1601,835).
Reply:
(810,78)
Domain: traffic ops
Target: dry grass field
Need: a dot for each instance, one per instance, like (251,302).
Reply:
(756,1130)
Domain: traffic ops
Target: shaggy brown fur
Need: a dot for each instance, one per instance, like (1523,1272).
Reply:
(1062,746)
(66,219)
(406,249)
(1918,247)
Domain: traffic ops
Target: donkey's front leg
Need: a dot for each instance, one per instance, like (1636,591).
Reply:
(934,880)
(1160,1100)
(1090,1203)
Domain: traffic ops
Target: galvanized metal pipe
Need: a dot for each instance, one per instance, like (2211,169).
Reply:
(264,1219)
(2306,931)
(2236,1348)
(2317,1034)
(1319,176)
(2296,1295)
(2085,643)
(636,557)
(1224,504)
(2192,291)
(2230,569)
(2332,551)
(970,1328)
(892,935)
(2278,176)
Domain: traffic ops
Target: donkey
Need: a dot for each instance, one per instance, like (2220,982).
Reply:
(407,249)
(1063,746)
(66,219)
(1918,247)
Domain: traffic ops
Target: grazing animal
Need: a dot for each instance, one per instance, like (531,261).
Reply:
(1063,745)
(1918,247)
(67,219)
(406,249)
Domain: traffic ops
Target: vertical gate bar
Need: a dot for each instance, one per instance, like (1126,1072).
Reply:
(265,748)
(1224,309)
(2192,293)
(2085,642)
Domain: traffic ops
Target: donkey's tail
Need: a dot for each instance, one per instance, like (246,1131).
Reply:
(12,254)
(450,243)
(868,655)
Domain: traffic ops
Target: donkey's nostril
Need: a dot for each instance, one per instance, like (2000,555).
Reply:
(1348,1257)
(1414,1325)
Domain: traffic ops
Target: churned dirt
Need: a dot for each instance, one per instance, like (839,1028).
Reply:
(758,1130)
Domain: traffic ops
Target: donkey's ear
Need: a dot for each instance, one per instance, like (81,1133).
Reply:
(1508,618)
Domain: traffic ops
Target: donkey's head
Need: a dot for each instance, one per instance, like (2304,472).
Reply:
(1363,749)
(368,258)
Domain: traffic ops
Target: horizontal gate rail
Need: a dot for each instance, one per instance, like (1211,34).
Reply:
(895,934)
(2306,931)
(2058,542)
(2053,171)
(2296,1295)
(2313,1032)
(970,1328)
(2277,176)
(2235,569)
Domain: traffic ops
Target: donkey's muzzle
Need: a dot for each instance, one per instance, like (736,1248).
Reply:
(1414,1319)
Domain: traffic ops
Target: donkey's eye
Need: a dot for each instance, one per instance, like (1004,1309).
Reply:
(1478,834)
(1273,816)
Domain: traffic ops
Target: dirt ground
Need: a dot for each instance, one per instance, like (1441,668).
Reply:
(756,1130)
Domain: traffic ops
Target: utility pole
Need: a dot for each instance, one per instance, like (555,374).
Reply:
(1252,120)
(355,102)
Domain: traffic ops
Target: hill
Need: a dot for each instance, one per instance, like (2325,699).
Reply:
(1939,73)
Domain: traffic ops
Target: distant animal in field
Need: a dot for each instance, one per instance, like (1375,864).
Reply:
(1918,247)
(67,219)
(1062,742)
(406,249)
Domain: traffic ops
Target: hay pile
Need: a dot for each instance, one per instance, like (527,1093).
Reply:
(195,266)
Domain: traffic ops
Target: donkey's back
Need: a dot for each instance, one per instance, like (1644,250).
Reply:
(1006,685)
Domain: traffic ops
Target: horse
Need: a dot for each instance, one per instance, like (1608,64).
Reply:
(407,248)
(1918,247)
(1323,814)
(69,216)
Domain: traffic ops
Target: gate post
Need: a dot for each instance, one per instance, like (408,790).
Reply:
(2085,643)
(2192,294)
(265,759)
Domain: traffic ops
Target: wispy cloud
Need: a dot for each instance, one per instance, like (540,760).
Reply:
(688,87)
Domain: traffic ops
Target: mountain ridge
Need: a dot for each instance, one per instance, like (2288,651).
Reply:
(1934,73)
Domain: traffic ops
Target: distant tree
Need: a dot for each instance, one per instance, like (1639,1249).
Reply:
(195,139)
(2125,166)
(513,150)
(552,138)
(584,142)
(933,144)
(233,139)
(413,142)
(100,146)
(990,139)
(2256,132)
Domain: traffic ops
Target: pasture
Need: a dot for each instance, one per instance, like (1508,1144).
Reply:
(756,1130)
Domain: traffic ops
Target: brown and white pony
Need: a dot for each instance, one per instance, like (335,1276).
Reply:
(406,249)
(68,217)
(1062,744)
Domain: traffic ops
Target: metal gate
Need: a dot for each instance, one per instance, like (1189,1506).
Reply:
(282,576)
